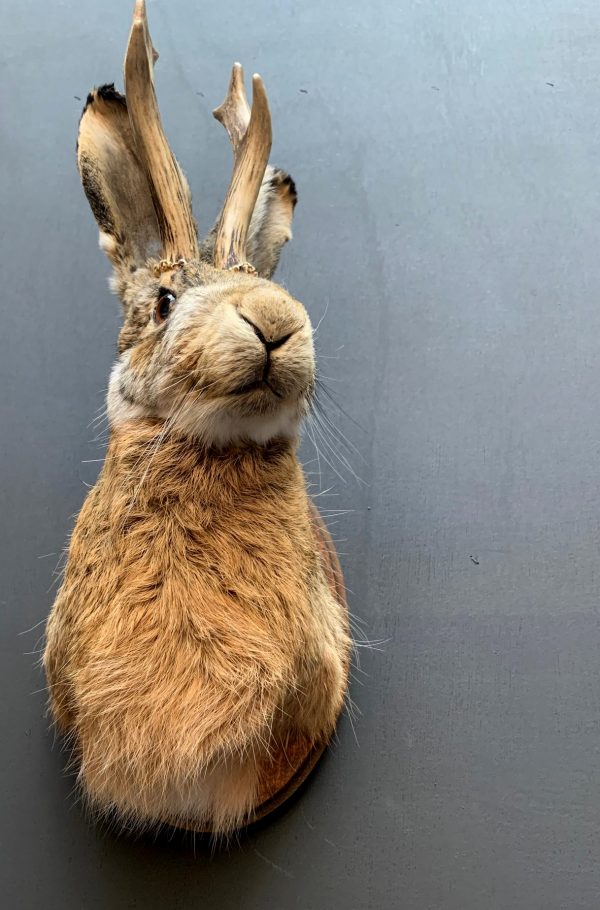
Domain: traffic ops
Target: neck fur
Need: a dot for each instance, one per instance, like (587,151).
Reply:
(152,467)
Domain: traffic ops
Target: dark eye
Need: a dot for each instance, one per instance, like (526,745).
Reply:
(163,306)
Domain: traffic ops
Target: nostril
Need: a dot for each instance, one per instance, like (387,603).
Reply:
(255,329)
(273,345)
(270,345)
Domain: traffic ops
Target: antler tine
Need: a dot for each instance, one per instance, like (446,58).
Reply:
(170,194)
(234,113)
(250,135)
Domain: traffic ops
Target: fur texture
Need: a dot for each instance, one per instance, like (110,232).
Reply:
(195,633)
(194,630)
(193,369)
(114,182)
(270,227)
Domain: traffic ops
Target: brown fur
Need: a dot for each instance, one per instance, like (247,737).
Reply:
(270,224)
(195,634)
(194,628)
(114,182)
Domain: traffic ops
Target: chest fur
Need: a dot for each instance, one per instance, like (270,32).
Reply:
(196,541)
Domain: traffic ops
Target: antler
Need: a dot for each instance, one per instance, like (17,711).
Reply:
(168,187)
(250,135)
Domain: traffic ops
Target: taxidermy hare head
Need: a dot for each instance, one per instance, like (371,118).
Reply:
(197,651)
(207,341)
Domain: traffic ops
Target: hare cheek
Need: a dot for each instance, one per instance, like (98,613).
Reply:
(120,405)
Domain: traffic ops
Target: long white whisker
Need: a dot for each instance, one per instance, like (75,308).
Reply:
(322,317)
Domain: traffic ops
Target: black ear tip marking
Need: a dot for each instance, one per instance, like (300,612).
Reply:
(289,182)
(108,92)
(282,179)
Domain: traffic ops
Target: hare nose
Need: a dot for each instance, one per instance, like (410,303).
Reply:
(271,344)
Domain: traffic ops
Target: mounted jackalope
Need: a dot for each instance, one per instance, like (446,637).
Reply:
(197,652)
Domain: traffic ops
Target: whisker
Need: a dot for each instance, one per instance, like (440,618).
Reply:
(322,387)
(37,625)
(316,329)
(325,417)
(333,453)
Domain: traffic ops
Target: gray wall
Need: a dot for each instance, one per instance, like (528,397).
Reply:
(448,161)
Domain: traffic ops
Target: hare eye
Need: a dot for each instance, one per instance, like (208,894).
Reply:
(163,307)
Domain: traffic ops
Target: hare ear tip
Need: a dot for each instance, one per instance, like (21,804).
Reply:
(107,93)
(284,183)
(91,97)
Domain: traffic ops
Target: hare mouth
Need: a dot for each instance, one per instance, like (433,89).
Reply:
(259,385)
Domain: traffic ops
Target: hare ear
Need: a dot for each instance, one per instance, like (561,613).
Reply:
(271,224)
(114,181)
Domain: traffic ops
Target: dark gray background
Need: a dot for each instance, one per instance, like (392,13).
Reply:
(447,157)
